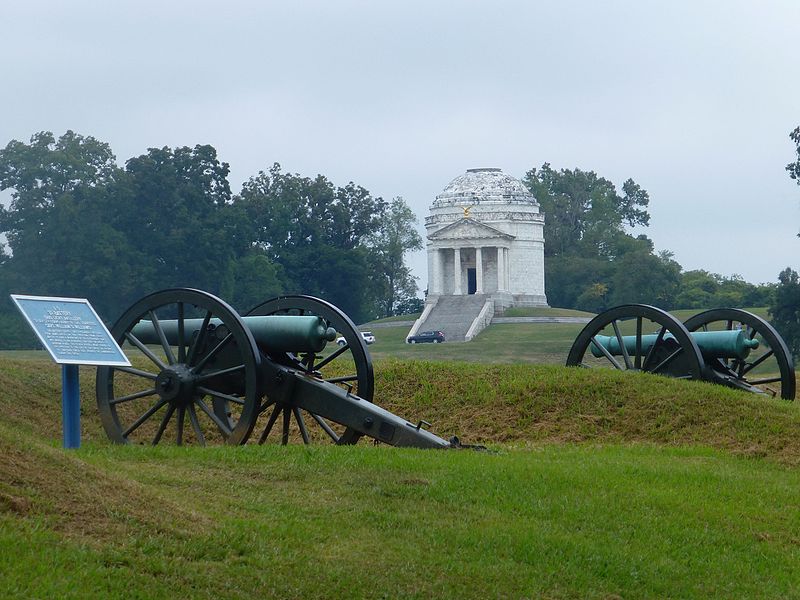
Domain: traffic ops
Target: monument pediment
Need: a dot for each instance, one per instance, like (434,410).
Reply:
(469,229)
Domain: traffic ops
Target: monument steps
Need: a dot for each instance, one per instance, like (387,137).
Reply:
(453,315)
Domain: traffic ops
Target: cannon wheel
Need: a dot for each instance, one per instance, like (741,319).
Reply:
(771,357)
(169,383)
(353,356)
(677,356)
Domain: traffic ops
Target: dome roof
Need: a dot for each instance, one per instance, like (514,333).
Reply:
(478,186)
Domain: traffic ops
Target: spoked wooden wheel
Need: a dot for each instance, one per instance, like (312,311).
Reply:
(768,369)
(347,365)
(195,373)
(637,337)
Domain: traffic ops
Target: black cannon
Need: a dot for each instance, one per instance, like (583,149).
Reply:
(196,359)
(726,346)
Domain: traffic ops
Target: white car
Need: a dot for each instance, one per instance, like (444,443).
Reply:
(369,338)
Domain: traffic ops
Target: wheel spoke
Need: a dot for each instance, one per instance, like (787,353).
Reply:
(342,379)
(744,370)
(606,353)
(667,360)
(265,406)
(659,339)
(285,433)
(325,427)
(765,380)
(214,351)
(223,428)
(145,350)
(301,424)
(129,397)
(219,395)
(333,356)
(272,418)
(147,414)
(200,340)
(162,337)
(212,374)
(621,344)
(164,422)
(198,432)
(637,361)
(181,334)
(137,372)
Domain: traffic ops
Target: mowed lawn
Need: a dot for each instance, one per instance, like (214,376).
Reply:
(595,484)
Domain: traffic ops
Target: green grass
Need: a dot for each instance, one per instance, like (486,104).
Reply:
(327,522)
(502,343)
(545,311)
(597,484)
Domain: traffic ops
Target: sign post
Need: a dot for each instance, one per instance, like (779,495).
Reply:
(73,334)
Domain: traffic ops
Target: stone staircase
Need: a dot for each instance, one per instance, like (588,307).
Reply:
(454,315)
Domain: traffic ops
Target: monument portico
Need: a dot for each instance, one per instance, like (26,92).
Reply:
(485,240)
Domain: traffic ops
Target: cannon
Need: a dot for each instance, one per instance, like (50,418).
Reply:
(727,346)
(204,374)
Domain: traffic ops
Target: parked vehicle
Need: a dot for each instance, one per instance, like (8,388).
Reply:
(423,337)
(369,338)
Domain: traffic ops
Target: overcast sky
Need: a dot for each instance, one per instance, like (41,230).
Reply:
(694,100)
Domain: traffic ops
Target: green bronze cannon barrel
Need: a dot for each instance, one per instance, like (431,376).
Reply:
(712,344)
(276,333)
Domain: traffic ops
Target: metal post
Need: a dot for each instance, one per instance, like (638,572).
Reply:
(71,406)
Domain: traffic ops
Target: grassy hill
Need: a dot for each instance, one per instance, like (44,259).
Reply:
(597,485)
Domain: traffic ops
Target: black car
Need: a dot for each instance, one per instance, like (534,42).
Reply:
(433,337)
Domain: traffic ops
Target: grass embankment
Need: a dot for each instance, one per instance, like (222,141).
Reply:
(592,492)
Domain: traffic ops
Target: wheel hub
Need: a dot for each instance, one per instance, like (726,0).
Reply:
(176,383)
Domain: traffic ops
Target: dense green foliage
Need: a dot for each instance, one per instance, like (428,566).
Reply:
(794,167)
(79,225)
(593,263)
(785,309)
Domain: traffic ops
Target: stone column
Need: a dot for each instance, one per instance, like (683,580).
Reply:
(478,271)
(507,268)
(501,275)
(457,271)
(435,286)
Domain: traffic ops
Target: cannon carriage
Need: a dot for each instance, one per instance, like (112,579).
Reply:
(726,346)
(202,373)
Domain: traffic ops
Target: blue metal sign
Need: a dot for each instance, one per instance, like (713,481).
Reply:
(74,335)
(71,331)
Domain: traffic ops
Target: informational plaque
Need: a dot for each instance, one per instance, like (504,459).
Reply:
(71,331)
(73,334)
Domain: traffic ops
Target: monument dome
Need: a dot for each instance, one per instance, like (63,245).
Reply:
(482,186)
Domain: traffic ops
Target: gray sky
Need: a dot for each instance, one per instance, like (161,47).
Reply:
(692,99)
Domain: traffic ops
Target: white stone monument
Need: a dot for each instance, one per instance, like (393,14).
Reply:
(485,254)
(485,237)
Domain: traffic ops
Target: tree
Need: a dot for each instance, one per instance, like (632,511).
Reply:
(394,284)
(794,167)
(318,233)
(785,309)
(43,172)
(643,277)
(584,213)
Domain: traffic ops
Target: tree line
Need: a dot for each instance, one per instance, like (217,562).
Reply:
(592,263)
(79,225)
